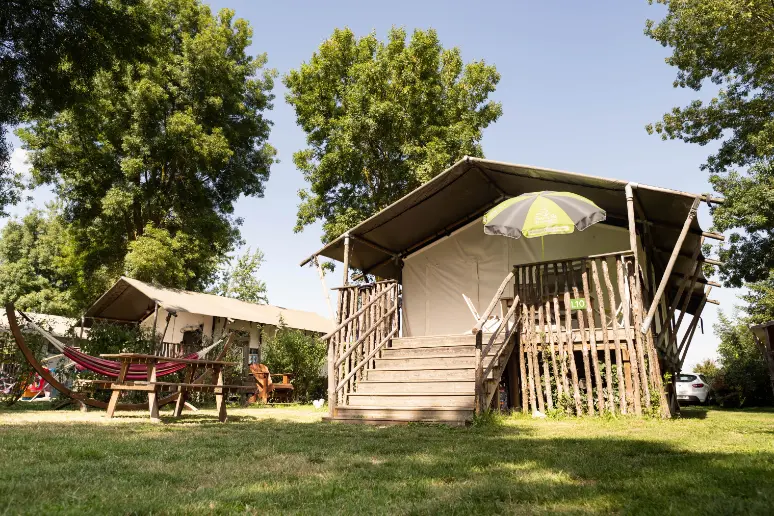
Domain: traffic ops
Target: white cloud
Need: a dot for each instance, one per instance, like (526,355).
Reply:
(20,163)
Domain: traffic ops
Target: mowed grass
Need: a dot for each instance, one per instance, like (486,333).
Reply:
(278,461)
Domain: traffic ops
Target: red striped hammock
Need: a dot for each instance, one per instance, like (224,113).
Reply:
(111,368)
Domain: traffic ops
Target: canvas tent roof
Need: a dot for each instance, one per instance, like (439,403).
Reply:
(131,300)
(464,192)
(57,325)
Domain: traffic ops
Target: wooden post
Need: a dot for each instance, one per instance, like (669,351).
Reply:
(536,362)
(605,337)
(552,339)
(111,409)
(593,339)
(632,228)
(345,281)
(546,360)
(561,336)
(584,347)
(618,355)
(156,319)
(522,362)
(571,348)
(153,397)
(479,389)
(639,340)
(627,314)
(670,264)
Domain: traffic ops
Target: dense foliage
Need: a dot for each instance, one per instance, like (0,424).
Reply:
(292,351)
(49,52)
(728,45)
(36,271)
(149,168)
(743,378)
(381,118)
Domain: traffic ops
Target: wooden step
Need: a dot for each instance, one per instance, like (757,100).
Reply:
(461,351)
(407,399)
(416,387)
(437,351)
(419,375)
(411,375)
(433,341)
(428,362)
(391,422)
(420,414)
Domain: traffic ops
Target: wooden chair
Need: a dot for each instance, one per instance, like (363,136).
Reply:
(265,387)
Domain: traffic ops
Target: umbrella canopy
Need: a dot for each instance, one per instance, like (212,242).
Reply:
(538,214)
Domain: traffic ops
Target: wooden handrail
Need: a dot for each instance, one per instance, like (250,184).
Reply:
(368,332)
(508,336)
(577,259)
(356,314)
(499,328)
(363,362)
(488,311)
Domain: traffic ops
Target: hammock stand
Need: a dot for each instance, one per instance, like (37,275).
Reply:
(106,365)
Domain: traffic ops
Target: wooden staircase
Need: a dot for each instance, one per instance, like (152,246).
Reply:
(424,379)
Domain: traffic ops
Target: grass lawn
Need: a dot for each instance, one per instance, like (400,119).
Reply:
(285,460)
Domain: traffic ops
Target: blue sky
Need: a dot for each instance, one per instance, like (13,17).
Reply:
(579,82)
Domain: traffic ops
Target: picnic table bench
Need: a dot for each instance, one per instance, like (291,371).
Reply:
(189,384)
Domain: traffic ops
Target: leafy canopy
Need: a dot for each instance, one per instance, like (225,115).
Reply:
(148,169)
(730,45)
(239,279)
(382,118)
(35,268)
(50,50)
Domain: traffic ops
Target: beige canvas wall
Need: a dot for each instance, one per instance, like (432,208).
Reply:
(472,263)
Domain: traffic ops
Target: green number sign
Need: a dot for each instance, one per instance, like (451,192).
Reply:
(577,304)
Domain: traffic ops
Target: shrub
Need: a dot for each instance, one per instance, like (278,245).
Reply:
(292,351)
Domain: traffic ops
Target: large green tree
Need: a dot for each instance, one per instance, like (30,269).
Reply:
(728,46)
(49,52)
(36,271)
(150,167)
(382,118)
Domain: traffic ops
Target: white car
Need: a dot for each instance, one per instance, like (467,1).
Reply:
(692,388)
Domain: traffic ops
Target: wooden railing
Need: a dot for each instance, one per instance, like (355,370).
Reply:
(572,309)
(509,325)
(367,319)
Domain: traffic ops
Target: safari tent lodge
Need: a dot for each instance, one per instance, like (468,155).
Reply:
(458,321)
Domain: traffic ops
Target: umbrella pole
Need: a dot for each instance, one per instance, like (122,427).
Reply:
(542,250)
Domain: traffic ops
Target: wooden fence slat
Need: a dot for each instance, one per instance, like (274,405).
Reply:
(605,336)
(584,348)
(629,341)
(620,369)
(546,360)
(561,336)
(530,364)
(639,341)
(552,342)
(593,340)
(522,361)
(570,346)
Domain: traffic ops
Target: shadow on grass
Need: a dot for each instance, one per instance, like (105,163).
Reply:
(693,413)
(270,465)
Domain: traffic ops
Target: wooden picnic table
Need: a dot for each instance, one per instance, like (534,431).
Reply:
(153,387)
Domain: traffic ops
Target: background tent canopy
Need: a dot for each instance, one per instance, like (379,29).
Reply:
(464,192)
